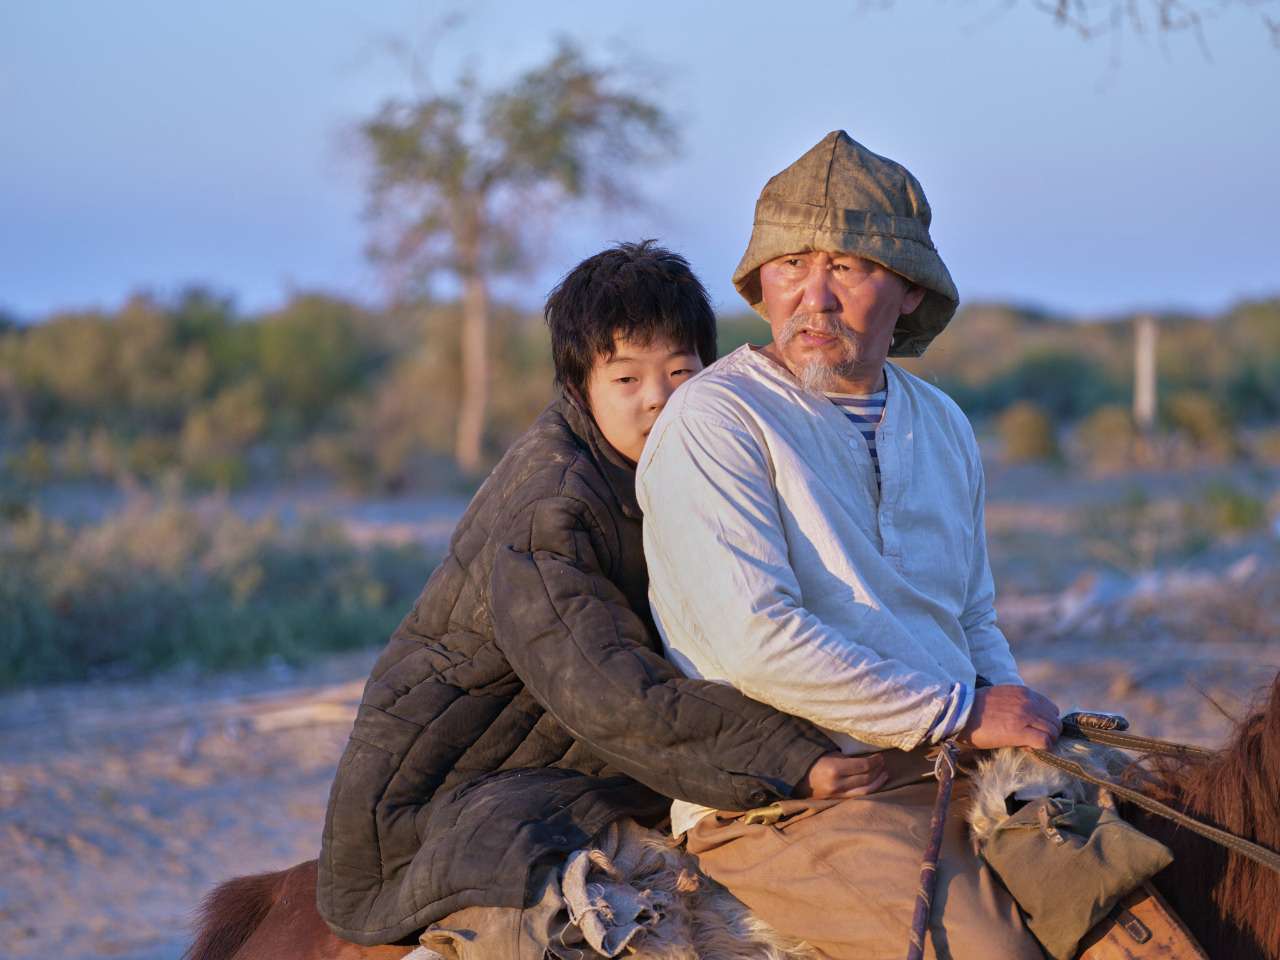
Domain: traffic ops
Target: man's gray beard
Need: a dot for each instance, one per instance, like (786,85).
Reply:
(816,376)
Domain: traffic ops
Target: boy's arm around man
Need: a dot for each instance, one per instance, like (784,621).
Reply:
(573,637)
(494,728)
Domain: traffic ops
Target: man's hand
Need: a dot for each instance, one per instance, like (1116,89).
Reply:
(835,775)
(1009,715)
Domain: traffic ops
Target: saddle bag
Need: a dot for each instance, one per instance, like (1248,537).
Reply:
(1067,864)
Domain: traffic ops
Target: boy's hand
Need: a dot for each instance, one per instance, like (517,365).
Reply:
(1009,715)
(835,775)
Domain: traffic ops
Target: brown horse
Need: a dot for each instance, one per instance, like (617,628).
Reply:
(1230,904)
(1239,791)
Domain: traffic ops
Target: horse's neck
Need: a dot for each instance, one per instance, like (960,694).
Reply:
(1238,792)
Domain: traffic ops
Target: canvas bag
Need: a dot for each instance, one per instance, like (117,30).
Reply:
(1067,864)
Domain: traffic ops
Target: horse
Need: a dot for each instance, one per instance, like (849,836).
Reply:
(1230,904)
(1237,790)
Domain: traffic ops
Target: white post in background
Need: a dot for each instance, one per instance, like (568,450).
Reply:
(1144,372)
(1144,382)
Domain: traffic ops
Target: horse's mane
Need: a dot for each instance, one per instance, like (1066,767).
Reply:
(1239,791)
(230,914)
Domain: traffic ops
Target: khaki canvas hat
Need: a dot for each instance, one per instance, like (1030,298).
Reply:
(842,198)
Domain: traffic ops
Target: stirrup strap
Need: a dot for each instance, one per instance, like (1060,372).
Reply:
(1246,848)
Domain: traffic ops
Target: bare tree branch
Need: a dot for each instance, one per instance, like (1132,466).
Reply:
(1273,26)
(1091,19)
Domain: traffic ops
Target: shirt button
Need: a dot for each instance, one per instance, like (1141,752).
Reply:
(757,796)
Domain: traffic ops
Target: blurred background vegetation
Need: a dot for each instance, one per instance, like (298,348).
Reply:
(184,404)
(175,407)
(162,583)
(158,419)
(194,393)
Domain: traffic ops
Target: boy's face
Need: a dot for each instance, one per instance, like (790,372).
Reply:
(628,390)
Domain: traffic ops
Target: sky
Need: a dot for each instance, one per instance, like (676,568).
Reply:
(147,144)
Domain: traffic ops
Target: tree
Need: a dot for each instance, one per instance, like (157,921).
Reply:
(463,182)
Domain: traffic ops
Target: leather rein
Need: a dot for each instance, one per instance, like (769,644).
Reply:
(1102,728)
(1108,730)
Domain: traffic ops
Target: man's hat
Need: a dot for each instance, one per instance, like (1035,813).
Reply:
(842,198)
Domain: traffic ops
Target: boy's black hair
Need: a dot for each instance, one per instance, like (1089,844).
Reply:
(634,290)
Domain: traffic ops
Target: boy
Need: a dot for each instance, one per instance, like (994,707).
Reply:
(517,705)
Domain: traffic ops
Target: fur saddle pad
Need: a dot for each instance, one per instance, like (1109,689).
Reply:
(689,916)
(1011,772)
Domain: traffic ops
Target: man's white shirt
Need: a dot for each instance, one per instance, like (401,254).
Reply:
(775,565)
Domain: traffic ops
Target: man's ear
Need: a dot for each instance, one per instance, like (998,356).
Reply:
(913,298)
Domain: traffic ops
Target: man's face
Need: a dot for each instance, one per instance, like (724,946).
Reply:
(833,314)
(628,390)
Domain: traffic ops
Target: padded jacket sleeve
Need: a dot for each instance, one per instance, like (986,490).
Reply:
(574,641)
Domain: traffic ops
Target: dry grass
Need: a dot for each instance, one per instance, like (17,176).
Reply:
(163,582)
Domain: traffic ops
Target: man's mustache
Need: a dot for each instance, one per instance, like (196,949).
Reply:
(822,323)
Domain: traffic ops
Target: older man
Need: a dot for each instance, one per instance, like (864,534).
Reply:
(814,534)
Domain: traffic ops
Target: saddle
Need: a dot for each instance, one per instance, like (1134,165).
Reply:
(1142,926)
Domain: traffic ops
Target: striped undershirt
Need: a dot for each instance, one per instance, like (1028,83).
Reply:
(864,411)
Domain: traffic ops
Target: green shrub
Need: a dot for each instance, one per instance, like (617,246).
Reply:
(161,584)
(310,355)
(1253,391)
(1065,384)
(1226,509)
(216,436)
(151,455)
(1028,434)
(1107,439)
(1266,446)
(1204,423)
(32,463)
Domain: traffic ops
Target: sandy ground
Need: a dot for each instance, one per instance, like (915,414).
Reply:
(122,804)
